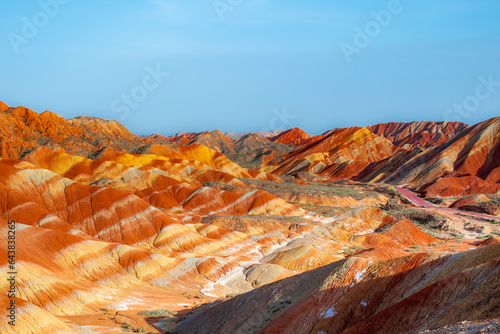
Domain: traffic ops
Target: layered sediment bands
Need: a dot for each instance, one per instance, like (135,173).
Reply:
(103,213)
(92,245)
(341,154)
(116,216)
(110,132)
(466,164)
(439,159)
(249,150)
(23,130)
(418,134)
(66,274)
(295,137)
(33,319)
(419,154)
(109,225)
(108,168)
(357,296)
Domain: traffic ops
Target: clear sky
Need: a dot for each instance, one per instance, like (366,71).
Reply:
(246,65)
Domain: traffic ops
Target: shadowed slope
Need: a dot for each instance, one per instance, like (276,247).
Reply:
(398,295)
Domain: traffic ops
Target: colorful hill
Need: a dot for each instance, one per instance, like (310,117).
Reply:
(295,137)
(361,296)
(437,159)
(468,163)
(339,155)
(418,134)
(249,150)
(23,130)
(176,234)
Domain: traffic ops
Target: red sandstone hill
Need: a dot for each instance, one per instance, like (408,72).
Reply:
(468,163)
(440,159)
(263,134)
(23,129)
(112,133)
(294,137)
(109,225)
(214,140)
(403,295)
(3,107)
(418,134)
(250,150)
(344,153)
(368,154)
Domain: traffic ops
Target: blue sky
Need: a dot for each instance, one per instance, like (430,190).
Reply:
(262,60)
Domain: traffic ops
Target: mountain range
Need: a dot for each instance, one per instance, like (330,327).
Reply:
(391,228)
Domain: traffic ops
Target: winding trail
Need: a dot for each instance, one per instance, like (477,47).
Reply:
(420,202)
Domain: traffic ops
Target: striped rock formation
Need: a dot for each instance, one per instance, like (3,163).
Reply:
(358,295)
(295,137)
(418,134)
(339,155)
(108,225)
(437,159)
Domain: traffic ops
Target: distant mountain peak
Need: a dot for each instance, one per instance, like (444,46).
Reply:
(3,107)
(293,137)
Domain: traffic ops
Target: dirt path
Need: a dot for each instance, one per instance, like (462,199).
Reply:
(420,202)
